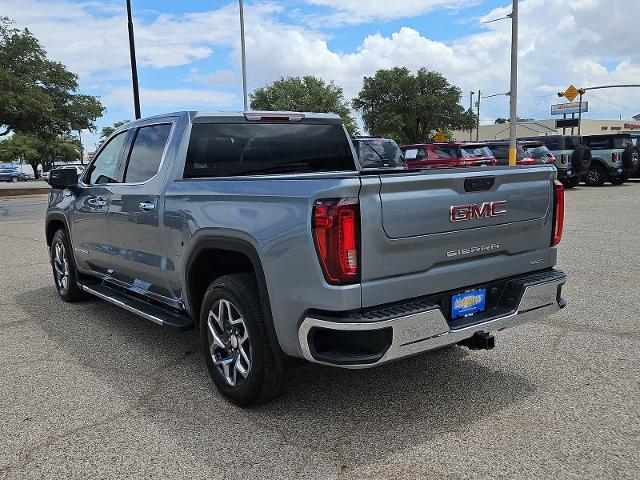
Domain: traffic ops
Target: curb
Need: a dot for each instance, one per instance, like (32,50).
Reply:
(13,192)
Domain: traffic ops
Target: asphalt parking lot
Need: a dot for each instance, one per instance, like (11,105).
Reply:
(91,391)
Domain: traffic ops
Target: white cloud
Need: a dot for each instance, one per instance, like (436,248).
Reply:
(220,77)
(171,99)
(353,12)
(584,42)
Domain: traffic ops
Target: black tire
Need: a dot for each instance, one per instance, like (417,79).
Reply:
(14,179)
(631,158)
(264,378)
(581,159)
(570,182)
(68,290)
(619,180)
(596,176)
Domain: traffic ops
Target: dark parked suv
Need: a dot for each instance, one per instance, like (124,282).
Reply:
(573,159)
(378,152)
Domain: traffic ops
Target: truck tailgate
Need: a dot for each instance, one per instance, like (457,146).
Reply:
(431,231)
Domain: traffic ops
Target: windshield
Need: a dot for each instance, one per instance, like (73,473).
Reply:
(476,151)
(379,152)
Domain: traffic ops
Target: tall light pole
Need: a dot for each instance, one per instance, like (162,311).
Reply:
(244,58)
(478,116)
(134,68)
(513,89)
(471,110)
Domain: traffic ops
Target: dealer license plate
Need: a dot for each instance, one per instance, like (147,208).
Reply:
(467,303)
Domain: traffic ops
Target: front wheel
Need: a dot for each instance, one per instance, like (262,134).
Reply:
(65,275)
(571,182)
(240,359)
(596,176)
(619,180)
(14,179)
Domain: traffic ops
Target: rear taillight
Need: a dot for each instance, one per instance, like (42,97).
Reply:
(551,159)
(614,157)
(564,158)
(558,213)
(336,233)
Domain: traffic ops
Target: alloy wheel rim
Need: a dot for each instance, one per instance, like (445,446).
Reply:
(61,266)
(229,344)
(593,176)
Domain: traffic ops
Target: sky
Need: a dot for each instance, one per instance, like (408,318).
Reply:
(189,50)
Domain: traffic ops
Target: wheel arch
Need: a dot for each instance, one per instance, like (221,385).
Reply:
(54,222)
(207,247)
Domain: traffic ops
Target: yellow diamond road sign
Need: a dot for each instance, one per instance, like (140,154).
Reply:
(439,137)
(571,93)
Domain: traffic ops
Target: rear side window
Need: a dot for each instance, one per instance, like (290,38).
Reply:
(146,153)
(445,152)
(222,150)
(599,143)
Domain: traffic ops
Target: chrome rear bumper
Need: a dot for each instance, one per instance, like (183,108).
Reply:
(428,329)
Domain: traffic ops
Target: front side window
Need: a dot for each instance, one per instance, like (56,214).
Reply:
(103,168)
(221,150)
(146,154)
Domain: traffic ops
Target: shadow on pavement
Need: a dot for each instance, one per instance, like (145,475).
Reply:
(349,416)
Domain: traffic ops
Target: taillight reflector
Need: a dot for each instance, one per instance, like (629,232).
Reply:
(337,239)
(558,213)
(614,157)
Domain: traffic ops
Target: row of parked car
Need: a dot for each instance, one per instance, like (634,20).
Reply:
(594,159)
(13,173)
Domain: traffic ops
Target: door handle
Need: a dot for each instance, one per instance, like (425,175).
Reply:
(147,206)
(97,202)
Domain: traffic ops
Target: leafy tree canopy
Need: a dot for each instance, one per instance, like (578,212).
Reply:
(411,108)
(306,94)
(107,131)
(500,120)
(37,95)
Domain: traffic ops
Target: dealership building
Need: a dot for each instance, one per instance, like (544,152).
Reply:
(530,128)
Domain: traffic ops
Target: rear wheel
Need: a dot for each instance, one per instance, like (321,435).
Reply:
(14,179)
(570,182)
(596,176)
(242,364)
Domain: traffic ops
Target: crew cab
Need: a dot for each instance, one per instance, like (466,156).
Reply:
(446,155)
(262,231)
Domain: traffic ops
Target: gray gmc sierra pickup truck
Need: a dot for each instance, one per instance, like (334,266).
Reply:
(261,230)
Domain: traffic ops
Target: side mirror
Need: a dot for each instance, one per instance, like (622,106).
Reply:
(63,178)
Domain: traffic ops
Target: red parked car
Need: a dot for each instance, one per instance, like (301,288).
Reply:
(445,155)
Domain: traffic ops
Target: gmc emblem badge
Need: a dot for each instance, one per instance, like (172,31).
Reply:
(462,213)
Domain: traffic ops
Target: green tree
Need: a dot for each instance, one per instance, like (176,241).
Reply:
(411,108)
(39,99)
(306,94)
(500,120)
(20,148)
(107,131)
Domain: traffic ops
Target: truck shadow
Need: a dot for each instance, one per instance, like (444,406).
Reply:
(329,411)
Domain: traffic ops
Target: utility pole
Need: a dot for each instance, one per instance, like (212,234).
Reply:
(134,68)
(478,116)
(244,58)
(471,110)
(513,89)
